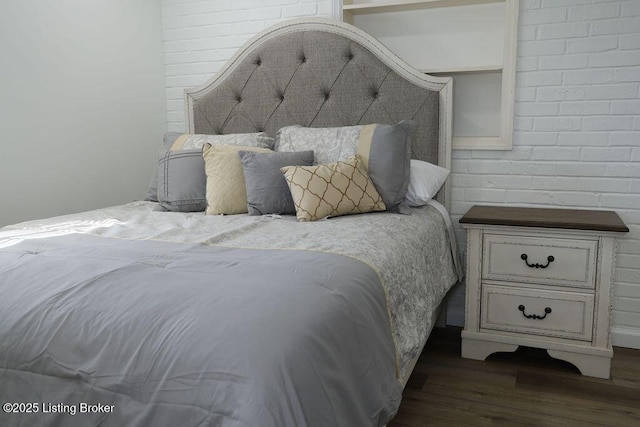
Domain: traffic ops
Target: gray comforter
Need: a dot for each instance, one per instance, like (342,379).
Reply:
(144,332)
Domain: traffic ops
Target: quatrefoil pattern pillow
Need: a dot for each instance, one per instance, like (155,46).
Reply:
(333,189)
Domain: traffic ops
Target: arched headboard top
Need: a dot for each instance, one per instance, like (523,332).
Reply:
(319,72)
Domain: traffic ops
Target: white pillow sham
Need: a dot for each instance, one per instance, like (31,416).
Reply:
(425,179)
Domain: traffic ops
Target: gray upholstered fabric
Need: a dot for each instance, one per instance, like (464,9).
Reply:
(152,191)
(389,163)
(267,189)
(317,79)
(182,181)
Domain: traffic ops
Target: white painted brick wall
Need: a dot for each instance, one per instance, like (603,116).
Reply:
(578,116)
(201,35)
(577,137)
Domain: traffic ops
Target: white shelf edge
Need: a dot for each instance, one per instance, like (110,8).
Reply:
(398,5)
(476,69)
(376,5)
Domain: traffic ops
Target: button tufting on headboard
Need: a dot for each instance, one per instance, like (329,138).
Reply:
(312,64)
(351,87)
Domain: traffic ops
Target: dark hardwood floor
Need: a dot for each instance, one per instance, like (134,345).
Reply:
(525,388)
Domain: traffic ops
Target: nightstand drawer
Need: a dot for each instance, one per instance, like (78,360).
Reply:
(545,260)
(537,312)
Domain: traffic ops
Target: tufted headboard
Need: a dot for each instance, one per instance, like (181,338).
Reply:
(323,73)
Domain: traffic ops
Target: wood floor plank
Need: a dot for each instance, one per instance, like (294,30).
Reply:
(480,410)
(577,387)
(523,388)
(527,402)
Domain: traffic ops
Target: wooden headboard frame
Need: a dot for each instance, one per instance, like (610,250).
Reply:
(215,107)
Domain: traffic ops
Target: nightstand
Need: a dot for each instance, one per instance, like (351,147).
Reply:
(541,278)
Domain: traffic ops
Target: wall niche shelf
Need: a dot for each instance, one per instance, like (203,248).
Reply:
(473,41)
(481,69)
(356,7)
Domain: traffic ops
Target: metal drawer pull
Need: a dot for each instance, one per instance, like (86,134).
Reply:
(547,310)
(550,259)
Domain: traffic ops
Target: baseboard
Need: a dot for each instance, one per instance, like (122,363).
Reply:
(625,337)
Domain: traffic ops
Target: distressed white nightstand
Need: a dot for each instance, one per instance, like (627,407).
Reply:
(541,278)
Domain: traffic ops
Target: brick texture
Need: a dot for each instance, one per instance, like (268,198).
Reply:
(201,35)
(577,137)
(578,80)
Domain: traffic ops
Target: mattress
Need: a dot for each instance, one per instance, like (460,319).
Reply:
(217,320)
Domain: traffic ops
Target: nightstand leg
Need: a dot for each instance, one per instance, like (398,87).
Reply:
(589,365)
(479,349)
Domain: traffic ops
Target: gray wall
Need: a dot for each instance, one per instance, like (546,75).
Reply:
(82,105)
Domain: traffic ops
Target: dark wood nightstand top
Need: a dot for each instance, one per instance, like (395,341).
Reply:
(579,219)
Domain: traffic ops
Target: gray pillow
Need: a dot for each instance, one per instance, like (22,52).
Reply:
(384,149)
(267,189)
(182,180)
(176,141)
(152,191)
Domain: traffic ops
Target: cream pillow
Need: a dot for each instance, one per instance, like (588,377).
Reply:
(226,190)
(332,189)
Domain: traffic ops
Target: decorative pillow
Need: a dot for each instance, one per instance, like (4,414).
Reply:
(226,190)
(182,181)
(181,141)
(187,141)
(152,190)
(385,151)
(267,190)
(333,189)
(425,182)
(328,144)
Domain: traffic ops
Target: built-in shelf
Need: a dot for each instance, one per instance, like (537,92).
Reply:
(473,41)
(398,5)
(479,69)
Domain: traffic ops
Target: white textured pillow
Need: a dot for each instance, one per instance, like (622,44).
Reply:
(189,141)
(329,145)
(425,180)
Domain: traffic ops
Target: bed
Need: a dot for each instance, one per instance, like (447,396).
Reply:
(134,315)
